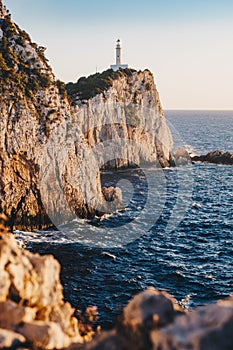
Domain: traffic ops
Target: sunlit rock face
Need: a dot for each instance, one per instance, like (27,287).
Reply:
(129,114)
(32,309)
(52,147)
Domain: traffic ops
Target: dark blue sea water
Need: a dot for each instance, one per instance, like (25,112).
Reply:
(183,243)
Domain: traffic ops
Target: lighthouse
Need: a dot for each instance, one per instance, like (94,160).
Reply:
(118,53)
(118,64)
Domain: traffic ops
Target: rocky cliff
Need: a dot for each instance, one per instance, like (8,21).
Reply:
(52,146)
(123,108)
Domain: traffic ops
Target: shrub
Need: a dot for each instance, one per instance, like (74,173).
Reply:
(61,88)
(3,65)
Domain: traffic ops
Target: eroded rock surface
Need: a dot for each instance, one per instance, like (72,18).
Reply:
(32,309)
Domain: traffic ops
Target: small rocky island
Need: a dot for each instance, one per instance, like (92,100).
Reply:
(216,157)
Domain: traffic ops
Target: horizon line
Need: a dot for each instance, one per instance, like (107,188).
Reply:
(198,109)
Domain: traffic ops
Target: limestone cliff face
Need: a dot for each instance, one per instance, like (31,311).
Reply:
(128,113)
(33,107)
(52,150)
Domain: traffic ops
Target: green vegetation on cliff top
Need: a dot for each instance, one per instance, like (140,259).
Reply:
(95,84)
(16,71)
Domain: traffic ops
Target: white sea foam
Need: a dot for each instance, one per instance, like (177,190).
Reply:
(110,255)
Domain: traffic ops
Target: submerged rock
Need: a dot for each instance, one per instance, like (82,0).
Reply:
(216,157)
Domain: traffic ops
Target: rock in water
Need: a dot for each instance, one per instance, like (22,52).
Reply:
(216,157)
(113,198)
(52,150)
(182,157)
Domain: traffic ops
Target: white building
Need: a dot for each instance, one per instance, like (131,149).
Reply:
(118,64)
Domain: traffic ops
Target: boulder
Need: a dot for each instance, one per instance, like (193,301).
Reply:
(112,193)
(181,157)
(112,199)
(154,321)
(151,306)
(206,328)
(147,311)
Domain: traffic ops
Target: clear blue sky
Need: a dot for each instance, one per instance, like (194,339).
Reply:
(186,44)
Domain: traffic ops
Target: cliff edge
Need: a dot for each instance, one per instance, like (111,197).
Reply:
(53,145)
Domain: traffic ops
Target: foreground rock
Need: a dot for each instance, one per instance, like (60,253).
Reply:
(32,309)
(216,157)
(206,328)
(34,316)
(154,321)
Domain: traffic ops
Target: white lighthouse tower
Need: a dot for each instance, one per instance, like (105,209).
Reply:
(118,64)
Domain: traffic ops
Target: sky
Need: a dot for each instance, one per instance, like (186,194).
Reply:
(187,44)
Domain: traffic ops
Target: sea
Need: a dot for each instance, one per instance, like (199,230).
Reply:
(175,234)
